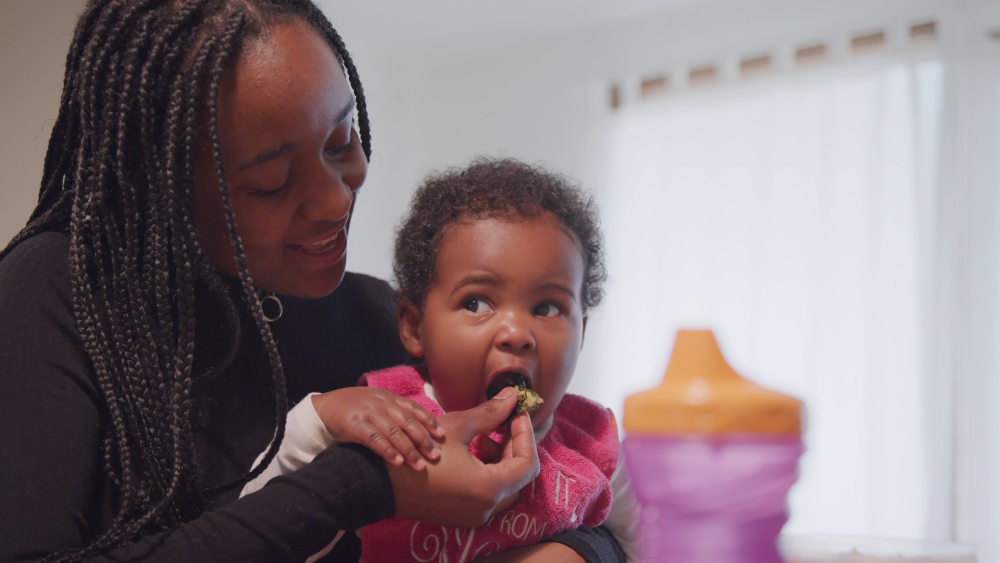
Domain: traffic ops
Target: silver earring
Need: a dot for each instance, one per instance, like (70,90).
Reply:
(277,302)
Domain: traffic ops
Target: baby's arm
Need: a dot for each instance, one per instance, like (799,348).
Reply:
(305,437)
(394,427)
(389,425)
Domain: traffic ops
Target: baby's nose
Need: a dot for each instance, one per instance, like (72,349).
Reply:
(516,334)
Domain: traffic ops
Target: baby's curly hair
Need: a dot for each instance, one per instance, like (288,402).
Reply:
(492,187)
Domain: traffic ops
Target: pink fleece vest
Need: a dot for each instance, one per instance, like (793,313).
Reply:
(577,458)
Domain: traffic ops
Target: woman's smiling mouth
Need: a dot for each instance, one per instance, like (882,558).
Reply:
(320,247)
(324,252)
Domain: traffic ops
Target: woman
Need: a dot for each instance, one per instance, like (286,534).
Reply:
(141,375)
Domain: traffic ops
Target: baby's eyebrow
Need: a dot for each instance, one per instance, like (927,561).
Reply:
(475,280)
(560,287)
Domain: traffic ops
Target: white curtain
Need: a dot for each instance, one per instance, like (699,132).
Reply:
(839,230)
(969,307)
(794,218)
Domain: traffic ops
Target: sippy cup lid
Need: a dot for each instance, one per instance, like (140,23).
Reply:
(701,394)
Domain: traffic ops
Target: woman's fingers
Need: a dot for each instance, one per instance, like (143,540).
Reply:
(489,451)
(484,418)
(519,463)
(507,502)
(521,438)
(458,490)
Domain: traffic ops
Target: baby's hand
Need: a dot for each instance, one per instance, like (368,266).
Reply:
(394,427)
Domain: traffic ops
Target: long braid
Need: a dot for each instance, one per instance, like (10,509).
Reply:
(206,272)
(314,16)
(118,177)
(250,291)
(364,126)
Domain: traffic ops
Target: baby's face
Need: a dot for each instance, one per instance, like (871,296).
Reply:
(505,299)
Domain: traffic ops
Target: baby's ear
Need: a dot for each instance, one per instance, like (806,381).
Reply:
(410,317)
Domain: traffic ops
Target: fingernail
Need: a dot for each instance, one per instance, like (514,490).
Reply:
(503,394)
(420,465)
(398,459)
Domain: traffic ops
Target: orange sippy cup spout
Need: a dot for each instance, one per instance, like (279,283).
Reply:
(696,358)
(702,394)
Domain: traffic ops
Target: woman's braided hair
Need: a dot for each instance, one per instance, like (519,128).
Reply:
(494,187)
(141,75)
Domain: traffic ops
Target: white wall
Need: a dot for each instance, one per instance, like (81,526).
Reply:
(34,38)
(547,101)
(435,107)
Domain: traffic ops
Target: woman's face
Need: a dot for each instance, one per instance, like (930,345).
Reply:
(293,162)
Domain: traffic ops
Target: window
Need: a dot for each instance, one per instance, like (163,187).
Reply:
(788,220)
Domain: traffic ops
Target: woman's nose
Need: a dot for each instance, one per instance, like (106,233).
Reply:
(515,333)
(328,197)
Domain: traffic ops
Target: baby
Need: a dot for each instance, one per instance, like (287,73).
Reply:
(498,265)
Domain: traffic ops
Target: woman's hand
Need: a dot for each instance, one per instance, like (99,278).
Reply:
(392,426)
(459,490)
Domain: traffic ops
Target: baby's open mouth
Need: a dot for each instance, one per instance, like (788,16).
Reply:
(527,399)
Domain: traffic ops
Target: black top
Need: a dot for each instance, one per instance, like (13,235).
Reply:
(53,490)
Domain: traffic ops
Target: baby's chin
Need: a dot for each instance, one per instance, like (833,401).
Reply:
(539,418)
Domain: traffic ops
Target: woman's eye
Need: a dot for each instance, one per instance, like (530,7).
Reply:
(335,151)
(547,310)
(476,305)
(271,193)
(340,149)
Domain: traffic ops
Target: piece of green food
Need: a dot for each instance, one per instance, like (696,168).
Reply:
(527,400)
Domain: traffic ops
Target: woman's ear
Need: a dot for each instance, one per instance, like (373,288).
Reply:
(410,318)
(583,335)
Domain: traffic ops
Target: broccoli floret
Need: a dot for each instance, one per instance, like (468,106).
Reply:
(527,400)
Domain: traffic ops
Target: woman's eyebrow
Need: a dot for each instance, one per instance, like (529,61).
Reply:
(346,111)
(275,152)
(269,154)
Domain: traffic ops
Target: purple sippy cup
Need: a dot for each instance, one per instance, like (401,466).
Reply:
(712,457)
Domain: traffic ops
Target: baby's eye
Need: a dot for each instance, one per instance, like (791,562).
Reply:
(547,310)
(476,305)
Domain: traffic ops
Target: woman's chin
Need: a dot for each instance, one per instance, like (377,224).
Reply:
(307,285)
(321,286)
